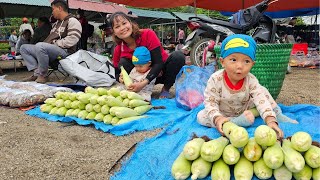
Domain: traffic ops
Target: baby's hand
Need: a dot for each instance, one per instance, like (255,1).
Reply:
(121,78)
(138,86)
(272,123)
(219,121)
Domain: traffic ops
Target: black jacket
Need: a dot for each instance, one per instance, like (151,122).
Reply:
(41,33)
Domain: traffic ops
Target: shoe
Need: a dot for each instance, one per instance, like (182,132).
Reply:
(41,79)
(18,57)
(164,95)
(30,78)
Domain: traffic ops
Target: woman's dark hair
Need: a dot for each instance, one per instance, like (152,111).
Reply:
(44,20)
(80,12)
(12,30)
(26,34)
(61,3)
(135,27)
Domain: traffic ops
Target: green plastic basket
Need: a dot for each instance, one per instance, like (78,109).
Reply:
(271,65)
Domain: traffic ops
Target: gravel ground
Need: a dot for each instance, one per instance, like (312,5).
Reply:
(33,148)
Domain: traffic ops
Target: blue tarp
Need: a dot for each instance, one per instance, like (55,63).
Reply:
(154,156)
(156,118)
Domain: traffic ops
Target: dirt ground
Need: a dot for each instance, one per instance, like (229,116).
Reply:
(33,148)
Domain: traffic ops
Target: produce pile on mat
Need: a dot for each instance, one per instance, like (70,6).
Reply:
(242,156)
(110,106)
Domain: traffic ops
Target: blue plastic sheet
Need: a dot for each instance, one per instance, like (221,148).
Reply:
(155,118)
(154,156)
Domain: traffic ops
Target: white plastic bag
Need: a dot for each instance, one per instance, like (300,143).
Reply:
(91,68)
(18,94)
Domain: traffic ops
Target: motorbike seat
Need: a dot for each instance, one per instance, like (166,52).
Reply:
(218,22)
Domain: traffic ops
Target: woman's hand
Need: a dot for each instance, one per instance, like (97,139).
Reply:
(121,78)
(219,121)
(272,123)
(138,86)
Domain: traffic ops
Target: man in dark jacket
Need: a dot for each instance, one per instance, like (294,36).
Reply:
(42,31)
(84,24)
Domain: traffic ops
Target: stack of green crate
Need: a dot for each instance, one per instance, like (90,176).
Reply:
(271,65)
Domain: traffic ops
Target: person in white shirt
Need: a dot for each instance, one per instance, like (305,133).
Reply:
(25,25)
(181,36)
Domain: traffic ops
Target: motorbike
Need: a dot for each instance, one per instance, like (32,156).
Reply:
(206,33)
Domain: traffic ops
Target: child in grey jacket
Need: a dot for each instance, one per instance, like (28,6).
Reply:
(13,41)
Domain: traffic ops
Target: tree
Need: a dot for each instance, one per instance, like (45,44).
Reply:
(13,22)
(300,21)
(8,24)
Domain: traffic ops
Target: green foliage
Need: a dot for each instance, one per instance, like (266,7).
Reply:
(14,21)
(6,30)
(300,21)
(211,14)
(10,23)
(4,46)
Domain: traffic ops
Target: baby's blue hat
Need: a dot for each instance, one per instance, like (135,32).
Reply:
(239,43)
(141,55)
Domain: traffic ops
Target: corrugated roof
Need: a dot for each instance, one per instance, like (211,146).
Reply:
(28,2)
(185,16)
(152,14)
(24,8)
(34,8)
(96,6)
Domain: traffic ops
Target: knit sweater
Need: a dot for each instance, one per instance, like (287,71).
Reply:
(139,77)
(65,33)
(220,100)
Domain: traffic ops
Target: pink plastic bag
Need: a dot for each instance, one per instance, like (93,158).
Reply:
(190,84)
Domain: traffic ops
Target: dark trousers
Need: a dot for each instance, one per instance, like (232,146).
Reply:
(82,44)
(169,72)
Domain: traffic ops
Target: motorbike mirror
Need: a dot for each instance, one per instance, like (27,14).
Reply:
(262,6)
(108,16)
(270,1)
